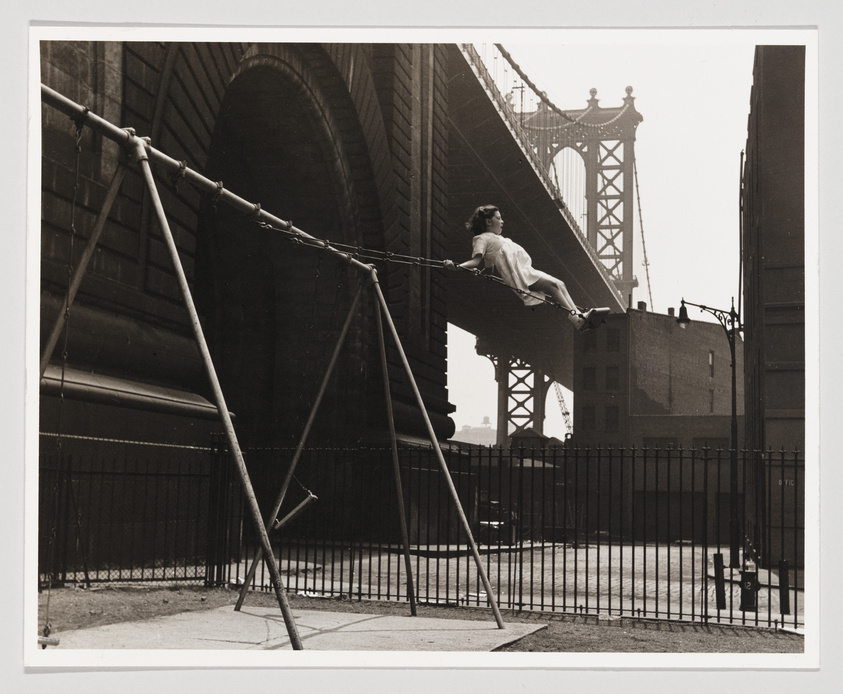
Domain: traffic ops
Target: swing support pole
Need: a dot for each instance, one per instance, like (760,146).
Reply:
(396,466)
(436,447)
(81,268)
(143,160)
(288,478)
(127,138)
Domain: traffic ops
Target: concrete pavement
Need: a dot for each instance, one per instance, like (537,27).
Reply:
(256,628)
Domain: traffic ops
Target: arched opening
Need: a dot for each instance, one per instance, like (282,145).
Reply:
(570,176)
(275,309)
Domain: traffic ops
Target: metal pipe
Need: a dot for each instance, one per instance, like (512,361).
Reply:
(296,512)
(731,323)
(435,444)
(294,462)
(399,488)
(219,398)
(734,534)
(127,138)
(79,272)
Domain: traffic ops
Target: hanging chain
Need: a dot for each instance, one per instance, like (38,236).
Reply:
(58,482)
(69,274)
(368,254)
(352,252)
(553,107)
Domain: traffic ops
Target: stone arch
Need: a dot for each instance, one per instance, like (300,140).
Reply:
(287,135)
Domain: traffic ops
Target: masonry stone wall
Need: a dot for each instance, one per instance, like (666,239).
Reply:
(370,132)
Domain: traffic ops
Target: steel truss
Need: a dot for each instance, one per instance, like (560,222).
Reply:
(521,397)
(605,139)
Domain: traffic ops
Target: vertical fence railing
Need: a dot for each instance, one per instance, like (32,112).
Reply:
(633,533)
(118,511)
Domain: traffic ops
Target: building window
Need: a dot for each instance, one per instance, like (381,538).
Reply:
(612,418)
(711,401)
(588,417)
(613,378)
(613,340)
(711,364)
(589,378)
(589,342)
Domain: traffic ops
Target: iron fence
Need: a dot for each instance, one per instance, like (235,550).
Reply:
(641,533)
(129,511)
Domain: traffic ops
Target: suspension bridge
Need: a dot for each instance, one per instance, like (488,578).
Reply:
(565,179)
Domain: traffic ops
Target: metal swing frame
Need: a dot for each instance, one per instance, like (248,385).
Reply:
(140,149)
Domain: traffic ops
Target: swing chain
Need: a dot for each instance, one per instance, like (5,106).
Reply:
(358,252)
(79,121)
(48,628)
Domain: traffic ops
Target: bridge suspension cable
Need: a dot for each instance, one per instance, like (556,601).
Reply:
(641,226)
(542,95)
(572,150)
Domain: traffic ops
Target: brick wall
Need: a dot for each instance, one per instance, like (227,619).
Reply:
(774,228)
(642,377)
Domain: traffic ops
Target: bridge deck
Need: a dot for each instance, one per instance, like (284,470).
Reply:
(487,165)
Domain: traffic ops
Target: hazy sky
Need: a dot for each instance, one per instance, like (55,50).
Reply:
(694,96)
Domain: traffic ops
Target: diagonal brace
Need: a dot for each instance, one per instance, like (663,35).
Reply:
(82,267)
(323,386)
(275,574)
(437,448)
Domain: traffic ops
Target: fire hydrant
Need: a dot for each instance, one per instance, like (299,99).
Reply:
(749,587)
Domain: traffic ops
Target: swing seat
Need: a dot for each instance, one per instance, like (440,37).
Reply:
(297,511)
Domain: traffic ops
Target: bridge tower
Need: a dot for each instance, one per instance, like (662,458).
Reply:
(605,139)
(522,389)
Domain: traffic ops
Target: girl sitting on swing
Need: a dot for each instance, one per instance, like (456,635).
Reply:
(494,251)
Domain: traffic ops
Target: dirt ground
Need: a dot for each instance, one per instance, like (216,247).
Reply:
(76,608)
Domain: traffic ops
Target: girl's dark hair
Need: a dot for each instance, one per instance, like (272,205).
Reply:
(476,224)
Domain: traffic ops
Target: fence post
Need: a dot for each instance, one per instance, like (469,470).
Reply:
(216,569)
(784,587)
(719,582)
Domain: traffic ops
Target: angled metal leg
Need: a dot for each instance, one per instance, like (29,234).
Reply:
(399,489)
(79,272)
(313,410)
(435,444)
(275,574)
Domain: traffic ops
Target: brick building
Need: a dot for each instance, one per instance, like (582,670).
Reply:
(774,250)
(774,278)
(641,380)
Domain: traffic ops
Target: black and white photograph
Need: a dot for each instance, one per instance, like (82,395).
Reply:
(454,348)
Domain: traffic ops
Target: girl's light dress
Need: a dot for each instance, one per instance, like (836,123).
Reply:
(511,262)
